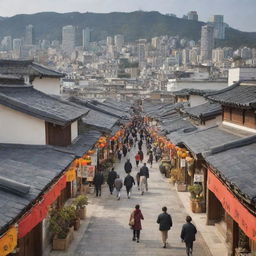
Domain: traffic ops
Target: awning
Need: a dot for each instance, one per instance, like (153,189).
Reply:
(245,220)
(39,211)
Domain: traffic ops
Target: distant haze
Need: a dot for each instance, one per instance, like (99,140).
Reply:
(239,14)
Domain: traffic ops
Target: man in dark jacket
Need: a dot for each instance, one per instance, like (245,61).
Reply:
(98,180)
(128,166)
(188,235)
(129,182)
(111,180)
(165,223)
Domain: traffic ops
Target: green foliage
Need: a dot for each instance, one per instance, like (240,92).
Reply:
(61,220)
(80,201)
(133,25)
(195,190)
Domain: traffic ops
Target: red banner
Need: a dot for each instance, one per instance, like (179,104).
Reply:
(245,220)
(39,211)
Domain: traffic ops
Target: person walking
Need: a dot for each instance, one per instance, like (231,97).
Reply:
(124,150)
(150,158)
(140,145)
(128,166)
(141,155)
(188,235)
(135,223)
(98,180)
(138,180)
(119,155)
(165,223)
(129,182)
(137,159)
(111,180)
(144,175)
(118,186)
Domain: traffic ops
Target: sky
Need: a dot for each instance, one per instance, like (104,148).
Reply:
(239,14)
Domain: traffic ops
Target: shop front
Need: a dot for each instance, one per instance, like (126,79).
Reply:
(236,222)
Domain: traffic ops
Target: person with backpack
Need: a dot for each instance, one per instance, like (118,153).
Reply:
(128,166)
(129,182)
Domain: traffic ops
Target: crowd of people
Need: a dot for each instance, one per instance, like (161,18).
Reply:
(137,137)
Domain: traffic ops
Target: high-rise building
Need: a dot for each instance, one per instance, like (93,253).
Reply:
(68,39)
(219,26)
(17,43)
(86,37)
(193,15)
(207,42)
(119,42)
(29,35)
(6,43)
(109,40)
(185,57)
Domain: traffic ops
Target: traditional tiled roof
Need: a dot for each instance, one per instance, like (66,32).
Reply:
(202,140)
(177,136)
(27,67)
(191,91)
(177,124)
(97,107)
(84,142)
(238,95)
(38,104)
(36,166)
(100,120)
(204,111)
(235,163)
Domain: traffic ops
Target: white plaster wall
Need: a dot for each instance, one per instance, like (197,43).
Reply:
(20,128)
(74,130)
(196,100)
(237,74)
(47,85)
(213,122)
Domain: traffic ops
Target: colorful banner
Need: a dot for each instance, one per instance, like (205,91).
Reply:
(70,175)
(245,220)
(39,211)
(8,241)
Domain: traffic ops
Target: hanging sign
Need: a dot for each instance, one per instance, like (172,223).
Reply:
(8,242)
(238,212)
(86,172)
(182,163)
(198,178)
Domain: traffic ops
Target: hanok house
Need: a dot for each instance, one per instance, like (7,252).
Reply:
(231,197)
(232,206)
(206,115)
(32,181)
(32,117)
(42,78)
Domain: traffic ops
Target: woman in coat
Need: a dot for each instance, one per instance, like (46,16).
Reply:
(135,223)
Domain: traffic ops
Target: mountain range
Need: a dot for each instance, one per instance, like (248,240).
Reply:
(133,25)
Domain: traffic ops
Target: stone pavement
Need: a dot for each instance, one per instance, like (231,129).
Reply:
(106,231)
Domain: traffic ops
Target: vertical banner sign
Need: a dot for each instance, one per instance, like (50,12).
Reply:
(245,220)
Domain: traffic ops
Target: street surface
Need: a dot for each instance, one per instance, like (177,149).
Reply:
(107,232)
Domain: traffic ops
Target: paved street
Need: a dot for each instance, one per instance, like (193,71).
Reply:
(107,231)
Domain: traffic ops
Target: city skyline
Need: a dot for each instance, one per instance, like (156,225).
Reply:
(240,16)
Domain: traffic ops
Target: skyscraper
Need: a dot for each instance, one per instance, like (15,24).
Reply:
(17,47)
(192,15)
(29,35)
(207,42)
(86,37)
(6,43)
(119,42)
(68,39)
(217,21)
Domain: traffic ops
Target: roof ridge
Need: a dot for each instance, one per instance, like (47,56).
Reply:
(230,145)
(228,88)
